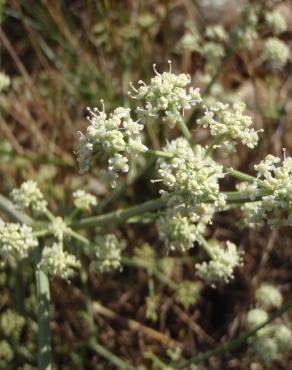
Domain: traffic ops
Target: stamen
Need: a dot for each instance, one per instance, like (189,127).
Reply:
(155,70)
(133,87)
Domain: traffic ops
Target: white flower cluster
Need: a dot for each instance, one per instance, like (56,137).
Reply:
(177,232)
(275,22)
(190,172)
(222,264)
(189,176)
(84,200)
(4,81)
(276,53)
(57,262)
(277,180)
(187,293)
(269,297)
(183,221)
(116,134)
(29,196)
(273,339)
(108,254)
(189,41)
(216,33)
(16,240)
(230,122)
(213,52)
(256,317)
(166,97)
(248,190)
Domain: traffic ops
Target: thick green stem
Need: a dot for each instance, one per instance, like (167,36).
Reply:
(44,333)
(235,343)
(244,177)
(205,246)
(9,208)
(159,153)
(185,131)
(120,216)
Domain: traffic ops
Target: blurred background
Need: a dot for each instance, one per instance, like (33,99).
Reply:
(62,56)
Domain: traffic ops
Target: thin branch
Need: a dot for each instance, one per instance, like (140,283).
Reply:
(234,343)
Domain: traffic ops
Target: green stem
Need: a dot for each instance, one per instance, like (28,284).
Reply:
(159,153)
(244,177)
(43,232)
(102,351)
(205,246)
(9,208)
(43,299)
(185,131)
(213,143)
(235,343)
(120,216)
(77,236)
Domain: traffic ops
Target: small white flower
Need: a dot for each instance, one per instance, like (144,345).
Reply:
(230,121)
(276,53)
(118,163)
(276,22)
(213,51)
(136,146)
(190,172)
(256,317)
(221,266)
(177,232)
(269,297)
(57,262)
(84,200)
(166,97)
(4,81)
(29,196)
(16,240)
(108,253)
(216,33)
(117,135)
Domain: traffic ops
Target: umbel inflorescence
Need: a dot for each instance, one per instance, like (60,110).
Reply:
(187,176)
(268,343)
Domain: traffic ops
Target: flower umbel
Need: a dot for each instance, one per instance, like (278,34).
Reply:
(230,122)
(29,196)
(16,241)
(57,262)
(166,97)
(84,200)
(117,135)
(222,264)
(108,254)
